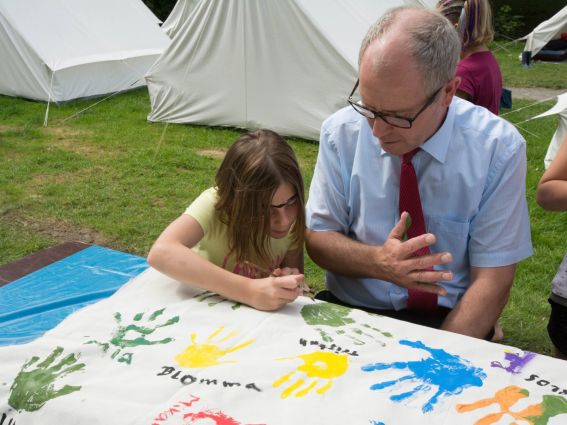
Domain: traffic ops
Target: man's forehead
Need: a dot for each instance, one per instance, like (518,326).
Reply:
(388,51)
(391,67)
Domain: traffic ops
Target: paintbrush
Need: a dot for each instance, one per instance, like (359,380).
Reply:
(264,272)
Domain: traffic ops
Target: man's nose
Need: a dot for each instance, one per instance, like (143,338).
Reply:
(380,128)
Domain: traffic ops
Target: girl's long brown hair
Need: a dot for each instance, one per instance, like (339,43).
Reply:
(251,172)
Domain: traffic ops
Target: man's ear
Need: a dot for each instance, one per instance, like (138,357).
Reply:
(450,90)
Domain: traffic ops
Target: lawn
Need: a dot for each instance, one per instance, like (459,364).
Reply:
(109,177)
(550,75)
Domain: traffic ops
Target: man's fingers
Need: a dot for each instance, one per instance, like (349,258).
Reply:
(431,276)
(399,229)
(415,244)
(426,263)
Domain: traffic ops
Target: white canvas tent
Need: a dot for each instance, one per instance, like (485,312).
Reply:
(283,65)
(545,32)
(56,50)
(178,16)
(560,108)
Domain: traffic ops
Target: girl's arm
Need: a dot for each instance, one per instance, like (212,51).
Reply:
(552,189)
(172,255)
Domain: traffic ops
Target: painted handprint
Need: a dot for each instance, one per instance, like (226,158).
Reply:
(320,367)
(336,317)
(208,353)
(135,334)
(516,362)
(506,398)
(33,387)
(448,372)
(214,299)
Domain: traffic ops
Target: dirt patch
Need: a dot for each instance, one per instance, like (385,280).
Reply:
(212,153)
(59,230)
(72,140)
(6,128)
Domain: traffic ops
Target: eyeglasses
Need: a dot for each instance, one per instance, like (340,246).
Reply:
(392,119)
(290,202)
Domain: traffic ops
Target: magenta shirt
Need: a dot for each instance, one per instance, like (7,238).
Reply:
(481,80)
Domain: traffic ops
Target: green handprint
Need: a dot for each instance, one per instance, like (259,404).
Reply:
(336,316)
(33,388)
(217,299)
(121,341)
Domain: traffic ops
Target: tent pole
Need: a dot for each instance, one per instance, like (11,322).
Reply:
(48,100)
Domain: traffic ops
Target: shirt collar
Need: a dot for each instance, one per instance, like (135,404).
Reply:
(438,144)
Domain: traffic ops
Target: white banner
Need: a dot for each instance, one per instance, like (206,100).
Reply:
(161,353)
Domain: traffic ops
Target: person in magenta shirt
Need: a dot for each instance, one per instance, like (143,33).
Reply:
(478,69)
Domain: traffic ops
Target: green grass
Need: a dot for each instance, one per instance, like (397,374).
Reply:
(550,75)
(108,177)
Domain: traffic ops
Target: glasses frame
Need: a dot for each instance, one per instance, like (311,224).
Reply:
(290,202)
(372,114)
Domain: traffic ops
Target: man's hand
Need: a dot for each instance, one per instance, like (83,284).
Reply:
(399,266)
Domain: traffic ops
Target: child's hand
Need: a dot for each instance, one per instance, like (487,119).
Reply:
(272,293)
(286,271)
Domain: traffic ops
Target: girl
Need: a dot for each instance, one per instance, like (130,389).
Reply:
(243,238)
(552,195)
(481,79)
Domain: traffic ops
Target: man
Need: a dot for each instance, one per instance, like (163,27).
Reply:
(470,167)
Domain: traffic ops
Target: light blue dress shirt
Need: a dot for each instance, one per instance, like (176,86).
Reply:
(471,174)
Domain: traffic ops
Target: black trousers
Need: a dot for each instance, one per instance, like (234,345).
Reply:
(431,320)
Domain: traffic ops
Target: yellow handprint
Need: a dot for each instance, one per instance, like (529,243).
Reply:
(208,354)
(318,365)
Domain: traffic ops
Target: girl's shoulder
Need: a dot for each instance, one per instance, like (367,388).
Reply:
(207,196)
(202,208)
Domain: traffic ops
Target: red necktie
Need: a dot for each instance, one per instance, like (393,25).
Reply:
(410,202)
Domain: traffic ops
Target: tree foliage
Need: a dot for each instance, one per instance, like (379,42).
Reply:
(507,24)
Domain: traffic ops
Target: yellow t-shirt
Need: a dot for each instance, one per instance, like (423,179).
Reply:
(214,245)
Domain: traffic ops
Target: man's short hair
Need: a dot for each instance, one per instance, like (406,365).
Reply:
(433,43)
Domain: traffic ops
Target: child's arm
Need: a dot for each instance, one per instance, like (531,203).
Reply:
(172,255)
(552,188)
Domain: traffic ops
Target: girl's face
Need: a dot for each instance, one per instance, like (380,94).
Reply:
(283,210)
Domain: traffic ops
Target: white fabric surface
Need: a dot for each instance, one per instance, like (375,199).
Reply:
(172,357)
(283,65)
(546,31)
(65,49)
(560,109)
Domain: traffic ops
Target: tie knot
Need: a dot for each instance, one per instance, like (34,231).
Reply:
(406,158)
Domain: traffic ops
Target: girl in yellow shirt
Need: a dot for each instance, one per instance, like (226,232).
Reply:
(243,238)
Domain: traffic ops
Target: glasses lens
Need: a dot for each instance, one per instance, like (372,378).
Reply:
(397,121)
(362,110)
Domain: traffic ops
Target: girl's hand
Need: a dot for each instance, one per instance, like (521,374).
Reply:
(272,293)
(286,271)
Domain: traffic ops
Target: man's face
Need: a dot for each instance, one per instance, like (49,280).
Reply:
(396,88)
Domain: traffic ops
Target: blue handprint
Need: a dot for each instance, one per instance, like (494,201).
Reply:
(448,372)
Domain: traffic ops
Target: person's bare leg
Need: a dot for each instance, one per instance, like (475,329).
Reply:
(498,333)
